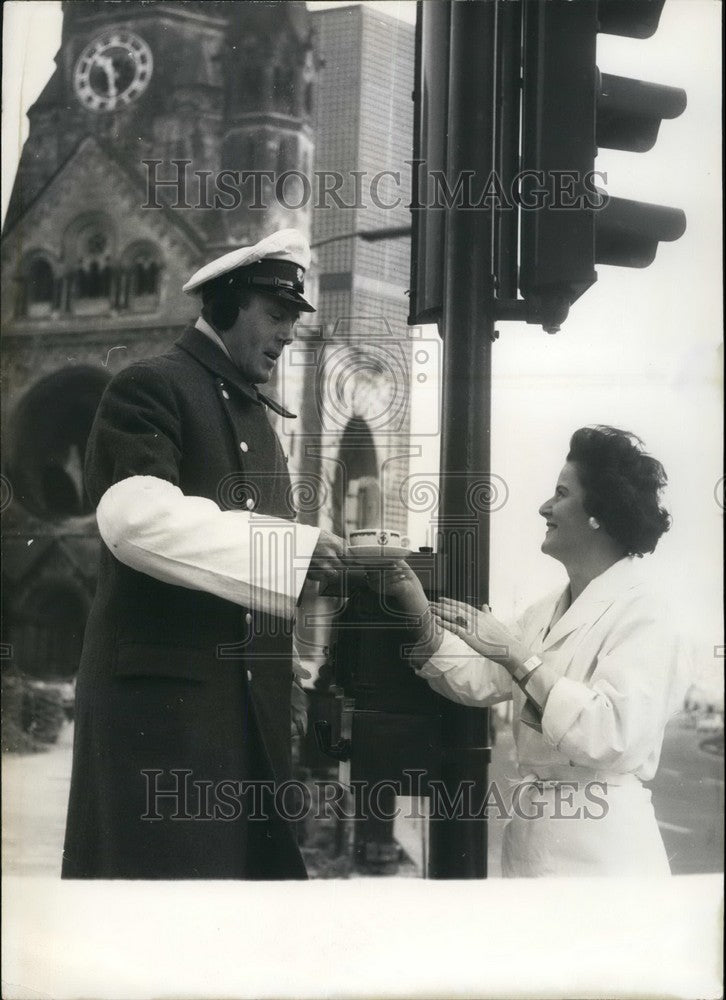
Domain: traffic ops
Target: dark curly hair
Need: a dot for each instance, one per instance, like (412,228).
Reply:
(622,486)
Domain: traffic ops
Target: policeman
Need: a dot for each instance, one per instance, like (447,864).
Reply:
(183,704)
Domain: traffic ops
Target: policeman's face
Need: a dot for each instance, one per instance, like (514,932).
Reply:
(259,335)
(568,533)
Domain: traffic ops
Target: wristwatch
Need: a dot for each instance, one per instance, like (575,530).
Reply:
(523,672)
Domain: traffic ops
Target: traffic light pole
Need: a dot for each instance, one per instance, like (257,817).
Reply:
(458,847)
(509,90)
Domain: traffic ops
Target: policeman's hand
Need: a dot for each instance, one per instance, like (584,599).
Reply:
(329,558)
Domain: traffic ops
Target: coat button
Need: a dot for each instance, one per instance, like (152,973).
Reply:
(244,446)
(250,504)
(248,618)
(249,675)
(225,393)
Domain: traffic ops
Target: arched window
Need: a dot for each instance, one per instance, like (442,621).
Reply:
(144,277)
(40,282)
(92,277)
(356,490)
(93,280)
(37,286)
(283,89)
(287,154)
(362,504)
(308,78)
(141,278)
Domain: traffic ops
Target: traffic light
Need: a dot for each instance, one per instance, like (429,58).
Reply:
(569,109)
(430,137)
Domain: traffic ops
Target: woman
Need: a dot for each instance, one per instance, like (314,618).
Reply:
(594,670)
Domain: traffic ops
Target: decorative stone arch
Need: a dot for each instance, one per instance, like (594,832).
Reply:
(47,436)
(368,381)
(363,393)
(139,279)
(356,488)
(38,285)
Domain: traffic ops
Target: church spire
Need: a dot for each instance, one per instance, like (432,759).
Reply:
(270,76)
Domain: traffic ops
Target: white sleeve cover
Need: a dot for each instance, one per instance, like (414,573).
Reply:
(250,559)
(462,675)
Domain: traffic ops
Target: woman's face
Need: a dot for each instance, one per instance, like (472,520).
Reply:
(568,530)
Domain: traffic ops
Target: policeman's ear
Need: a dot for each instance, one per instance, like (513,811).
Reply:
(220,312)
(222,304)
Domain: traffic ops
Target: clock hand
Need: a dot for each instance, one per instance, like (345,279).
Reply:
(107,66)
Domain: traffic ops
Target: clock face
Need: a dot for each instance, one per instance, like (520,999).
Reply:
(113,70)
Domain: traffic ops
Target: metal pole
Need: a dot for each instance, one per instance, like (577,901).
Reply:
(459,846)
(509,72)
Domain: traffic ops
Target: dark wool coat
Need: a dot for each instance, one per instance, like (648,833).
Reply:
(157,709)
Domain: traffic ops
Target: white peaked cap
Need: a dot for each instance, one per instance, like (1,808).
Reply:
(286,244)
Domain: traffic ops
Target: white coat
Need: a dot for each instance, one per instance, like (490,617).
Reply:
(622,674)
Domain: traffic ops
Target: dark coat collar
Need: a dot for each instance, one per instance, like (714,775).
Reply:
(206,352)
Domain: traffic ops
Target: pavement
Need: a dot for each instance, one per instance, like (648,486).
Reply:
(34,803)
(688,797)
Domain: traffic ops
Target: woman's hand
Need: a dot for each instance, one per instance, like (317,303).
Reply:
(398,580)
(479,629)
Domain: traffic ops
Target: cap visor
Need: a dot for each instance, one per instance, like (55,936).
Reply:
(297,299)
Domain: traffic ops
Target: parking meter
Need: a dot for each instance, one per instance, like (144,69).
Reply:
(391,733)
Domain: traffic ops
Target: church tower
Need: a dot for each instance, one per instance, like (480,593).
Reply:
(268,117)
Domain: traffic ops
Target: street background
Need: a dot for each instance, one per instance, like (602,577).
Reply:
(688,797)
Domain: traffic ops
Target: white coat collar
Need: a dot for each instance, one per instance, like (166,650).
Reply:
(595,599)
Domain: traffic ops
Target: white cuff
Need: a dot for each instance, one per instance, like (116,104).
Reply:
(459,673)
(566,700)
(252,560)
(453,652)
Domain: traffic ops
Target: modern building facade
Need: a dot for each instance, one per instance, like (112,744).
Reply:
(363,140)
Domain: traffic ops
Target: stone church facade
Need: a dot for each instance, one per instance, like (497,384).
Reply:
(116,202)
